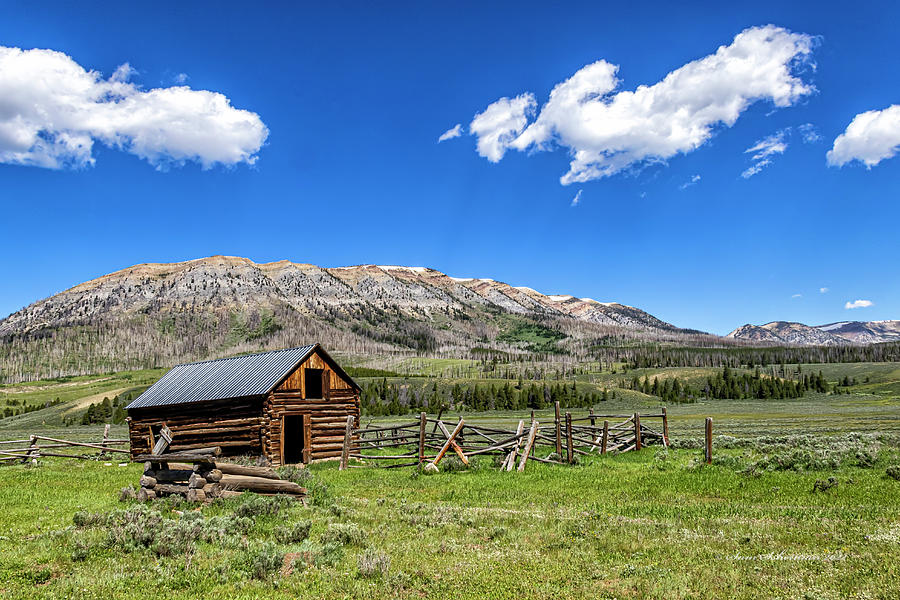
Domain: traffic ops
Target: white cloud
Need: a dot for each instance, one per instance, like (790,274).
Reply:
(577,198)
(764,149)
(755,168)
(774,144)
(810,133)
(52,111)
(500,124)
(823,290)
(858,304)
(692,181)
(607,131)
(181,78)
(797,296)
(871,137)
(453,132)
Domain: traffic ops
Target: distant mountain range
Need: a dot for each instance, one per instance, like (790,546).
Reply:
(157,314)
(832,334)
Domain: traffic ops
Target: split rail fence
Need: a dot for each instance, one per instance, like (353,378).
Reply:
(427,441)
(37,446)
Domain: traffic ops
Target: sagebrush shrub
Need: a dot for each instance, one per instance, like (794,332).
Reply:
(293,534)
(344,534)
(259,506)
(373,563)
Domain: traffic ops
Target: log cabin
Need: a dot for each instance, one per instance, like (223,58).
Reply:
(290,406)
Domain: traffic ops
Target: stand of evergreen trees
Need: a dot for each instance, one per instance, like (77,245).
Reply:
(727,384)
(107,411)
(15,407)
(655,356)
(381,398)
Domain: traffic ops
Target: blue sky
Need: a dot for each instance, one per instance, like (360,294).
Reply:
(350,100)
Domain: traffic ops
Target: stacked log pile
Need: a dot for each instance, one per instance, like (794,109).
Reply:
(200,476)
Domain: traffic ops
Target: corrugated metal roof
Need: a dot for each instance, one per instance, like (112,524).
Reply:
(240,376)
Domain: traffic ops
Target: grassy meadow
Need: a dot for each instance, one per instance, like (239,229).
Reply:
(802,501)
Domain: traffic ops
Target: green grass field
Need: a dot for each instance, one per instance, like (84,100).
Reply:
(653,524)
(644,525)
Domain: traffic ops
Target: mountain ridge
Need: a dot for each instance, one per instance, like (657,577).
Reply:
(839,333)
(156,314)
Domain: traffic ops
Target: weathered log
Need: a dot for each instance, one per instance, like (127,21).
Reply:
(169,475)
(511,459)
(81,444)
(195,495)
(233,469)
(174,456)
(637,431)
(196,481)
(453,443)
(170,488)
(147,482)
(260,484)
(558,432)
(213,475)
(145,494)
(165,438)
(665,419)
(528,445)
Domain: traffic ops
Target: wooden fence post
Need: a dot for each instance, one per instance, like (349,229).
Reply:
(605,438)
(32,449)
(511,459)
(558,430)
(591,414)
(570,447)
(637,431)
(453,444)
(423,420)
(528,444)
(345,453)
(665,426)
(708,447)
(450,441)
(105,439)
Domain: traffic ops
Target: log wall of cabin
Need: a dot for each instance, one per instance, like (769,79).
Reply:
(234,425)
(328,415)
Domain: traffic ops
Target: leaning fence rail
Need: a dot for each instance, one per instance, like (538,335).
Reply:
(37,446)
(426,440)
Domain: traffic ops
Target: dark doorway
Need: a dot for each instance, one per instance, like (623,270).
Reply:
(313,381)
(292,450)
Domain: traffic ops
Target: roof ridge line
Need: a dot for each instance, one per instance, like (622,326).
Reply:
(211,360)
